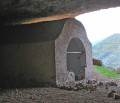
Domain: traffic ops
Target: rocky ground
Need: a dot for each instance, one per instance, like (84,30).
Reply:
(56,95)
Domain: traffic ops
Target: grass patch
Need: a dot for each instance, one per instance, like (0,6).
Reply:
(106,72)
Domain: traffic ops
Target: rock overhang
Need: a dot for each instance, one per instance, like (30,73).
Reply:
(13,12)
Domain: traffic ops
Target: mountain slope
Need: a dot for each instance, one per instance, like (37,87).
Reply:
(98,41)
(108,51)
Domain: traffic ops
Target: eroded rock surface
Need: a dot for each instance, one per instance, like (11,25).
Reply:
(14,11)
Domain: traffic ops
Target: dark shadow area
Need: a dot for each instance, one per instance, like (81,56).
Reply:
(38,32)
(12,83)
(76,58)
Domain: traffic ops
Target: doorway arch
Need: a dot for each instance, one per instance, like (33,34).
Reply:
(76,58)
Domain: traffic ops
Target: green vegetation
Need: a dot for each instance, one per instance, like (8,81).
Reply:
(106,72)
(108,45)
(108,51)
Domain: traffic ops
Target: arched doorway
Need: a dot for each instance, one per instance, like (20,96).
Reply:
(76,58)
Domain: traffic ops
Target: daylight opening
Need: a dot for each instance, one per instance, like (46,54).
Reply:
(76,58)
(103,31)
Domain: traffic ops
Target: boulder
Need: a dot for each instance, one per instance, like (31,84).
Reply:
(111,94)
(117,96)
(97,62)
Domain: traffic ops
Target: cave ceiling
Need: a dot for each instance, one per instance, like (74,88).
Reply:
(16,12)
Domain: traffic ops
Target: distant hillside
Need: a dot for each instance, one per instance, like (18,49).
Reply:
(96,42)
(108,51)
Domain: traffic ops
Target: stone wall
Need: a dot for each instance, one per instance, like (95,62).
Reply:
(72,28)
(27,64)
(30,55)
(27,54)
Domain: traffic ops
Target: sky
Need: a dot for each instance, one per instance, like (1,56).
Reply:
(102,23)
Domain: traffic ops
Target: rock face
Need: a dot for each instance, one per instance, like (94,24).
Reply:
(14,11)
(97,62)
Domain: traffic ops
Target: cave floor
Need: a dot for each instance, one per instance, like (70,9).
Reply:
(56,95)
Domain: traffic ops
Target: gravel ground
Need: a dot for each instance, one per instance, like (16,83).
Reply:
(56,95)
